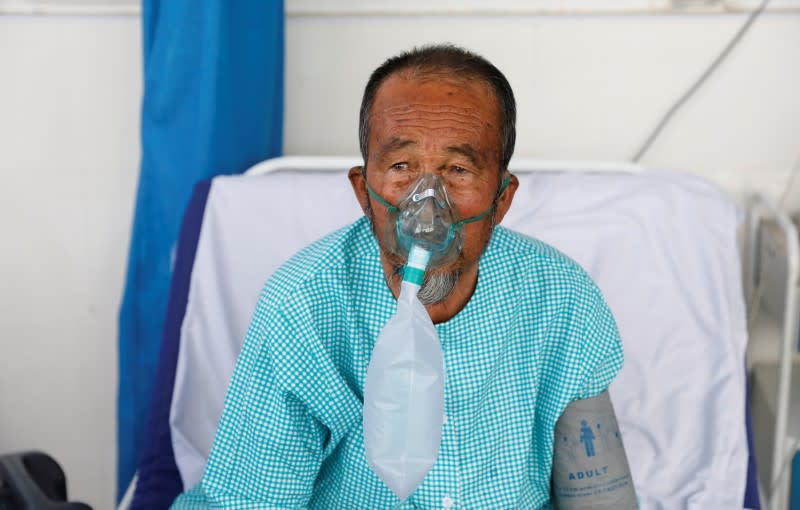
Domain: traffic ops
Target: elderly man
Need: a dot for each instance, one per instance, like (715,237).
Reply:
(529,344)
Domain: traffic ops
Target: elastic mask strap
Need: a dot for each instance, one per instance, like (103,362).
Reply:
(485,213)
(390,207)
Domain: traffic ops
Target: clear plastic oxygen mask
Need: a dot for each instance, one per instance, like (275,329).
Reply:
(426,218)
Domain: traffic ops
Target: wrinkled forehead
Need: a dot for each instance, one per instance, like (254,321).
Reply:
(435,106)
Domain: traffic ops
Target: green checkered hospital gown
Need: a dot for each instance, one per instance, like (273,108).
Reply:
(535,335)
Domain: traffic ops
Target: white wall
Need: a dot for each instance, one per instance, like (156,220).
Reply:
(69,91)
(587,87)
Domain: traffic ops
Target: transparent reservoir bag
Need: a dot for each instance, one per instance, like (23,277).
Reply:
(404,390)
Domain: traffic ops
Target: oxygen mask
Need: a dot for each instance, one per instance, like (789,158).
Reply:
(426,218)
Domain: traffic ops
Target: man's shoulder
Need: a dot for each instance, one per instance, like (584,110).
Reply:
(324,259)
(582,336)
(538,259)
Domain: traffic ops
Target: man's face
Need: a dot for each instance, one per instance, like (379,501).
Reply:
(443,126)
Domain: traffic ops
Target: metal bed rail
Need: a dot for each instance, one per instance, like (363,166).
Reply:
(759,210)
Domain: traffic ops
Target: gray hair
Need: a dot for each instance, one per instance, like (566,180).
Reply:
(463,64)
(437,286)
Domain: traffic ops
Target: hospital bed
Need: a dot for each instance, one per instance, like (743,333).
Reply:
(661,245)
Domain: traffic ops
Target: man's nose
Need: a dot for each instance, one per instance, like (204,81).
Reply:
(427,215)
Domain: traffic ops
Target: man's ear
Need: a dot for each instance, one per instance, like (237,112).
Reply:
(358,180)
(505,199)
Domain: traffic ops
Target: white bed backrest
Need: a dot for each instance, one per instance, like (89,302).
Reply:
(660,245)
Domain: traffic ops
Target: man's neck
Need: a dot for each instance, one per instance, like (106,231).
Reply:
(452,304)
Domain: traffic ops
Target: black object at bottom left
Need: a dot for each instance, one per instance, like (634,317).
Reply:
(33,481)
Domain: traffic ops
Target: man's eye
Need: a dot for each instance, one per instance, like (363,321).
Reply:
(400,166)
(459,170)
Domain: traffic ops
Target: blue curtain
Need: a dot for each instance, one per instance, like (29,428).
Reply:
(213,104)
